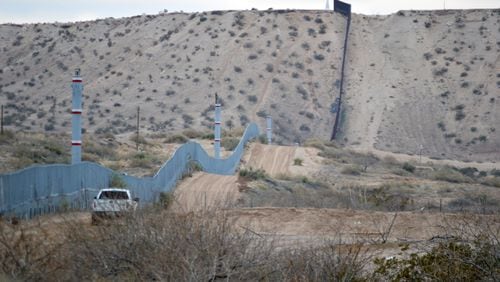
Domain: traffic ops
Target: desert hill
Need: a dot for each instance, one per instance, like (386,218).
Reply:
(412,78)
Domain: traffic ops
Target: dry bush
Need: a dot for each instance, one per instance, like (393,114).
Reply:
(25,252)
(154,245)
(328,262)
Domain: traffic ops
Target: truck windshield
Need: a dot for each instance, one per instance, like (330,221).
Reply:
(114,195)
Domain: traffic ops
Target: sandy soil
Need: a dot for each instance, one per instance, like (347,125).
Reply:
(279,160)
(305,224)
(206,191)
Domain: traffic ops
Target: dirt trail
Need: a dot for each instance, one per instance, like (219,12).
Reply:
(279,160)
(426,160)
(206,191)
(275,160)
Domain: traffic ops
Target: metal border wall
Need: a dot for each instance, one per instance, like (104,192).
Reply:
(344,9)
(43,189)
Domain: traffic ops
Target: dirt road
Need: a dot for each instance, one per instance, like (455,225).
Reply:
(279,160)
(206,191)
(306,224)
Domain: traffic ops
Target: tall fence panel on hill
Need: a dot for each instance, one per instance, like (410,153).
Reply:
(344,9)
(44,189)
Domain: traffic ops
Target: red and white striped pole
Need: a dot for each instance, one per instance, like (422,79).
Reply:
(76,121)
(217,139)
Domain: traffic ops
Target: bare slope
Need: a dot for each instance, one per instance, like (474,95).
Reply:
(205,191)
(425,78)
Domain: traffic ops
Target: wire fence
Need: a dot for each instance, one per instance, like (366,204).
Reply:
(45,189)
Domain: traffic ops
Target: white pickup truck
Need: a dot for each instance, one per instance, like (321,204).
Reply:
(111,202)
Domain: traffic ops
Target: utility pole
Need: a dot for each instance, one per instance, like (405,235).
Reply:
(1,122)
(420,152)
(137,136)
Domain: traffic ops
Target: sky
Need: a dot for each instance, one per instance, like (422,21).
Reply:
(34,11)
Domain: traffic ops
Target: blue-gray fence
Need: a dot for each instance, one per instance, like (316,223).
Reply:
(44,189)
(344,9)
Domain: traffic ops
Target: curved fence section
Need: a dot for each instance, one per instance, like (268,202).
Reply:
(44,189)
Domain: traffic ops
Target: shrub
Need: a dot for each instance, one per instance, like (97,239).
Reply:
(351,170)
(468,171)
(252,174)
(440,71)
(187,119)
(297,161)
(409,167)
(319,57)
(495,172)
(441,126)
(116,181)
(450,175)
(252,98)
(176,138)
(166,199)
(263,139)
(229,143)
(450,261)
(7,137)
(459,115)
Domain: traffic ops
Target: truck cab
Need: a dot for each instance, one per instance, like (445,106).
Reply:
(112,202)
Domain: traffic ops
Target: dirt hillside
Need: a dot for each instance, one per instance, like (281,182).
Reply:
(425,81)
(205,191)
(415,81)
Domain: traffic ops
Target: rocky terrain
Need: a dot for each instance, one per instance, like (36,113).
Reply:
(414,79)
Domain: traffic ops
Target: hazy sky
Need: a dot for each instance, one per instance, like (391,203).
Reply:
(30,11)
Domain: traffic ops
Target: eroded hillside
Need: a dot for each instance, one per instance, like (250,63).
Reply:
(415,81)
(427,79)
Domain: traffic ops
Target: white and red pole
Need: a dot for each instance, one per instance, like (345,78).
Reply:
(76,121)
(217,139)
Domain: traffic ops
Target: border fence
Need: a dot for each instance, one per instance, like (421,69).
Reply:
(44,189)
(344,9)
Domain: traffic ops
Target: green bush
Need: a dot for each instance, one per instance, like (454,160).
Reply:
(252,174)
(297,161)
(351,170)
(409,167)
(263,139)
(177,138)
(229,143)
(116,181)
(449,261)
(495,172)
(450,175)
(166,200)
